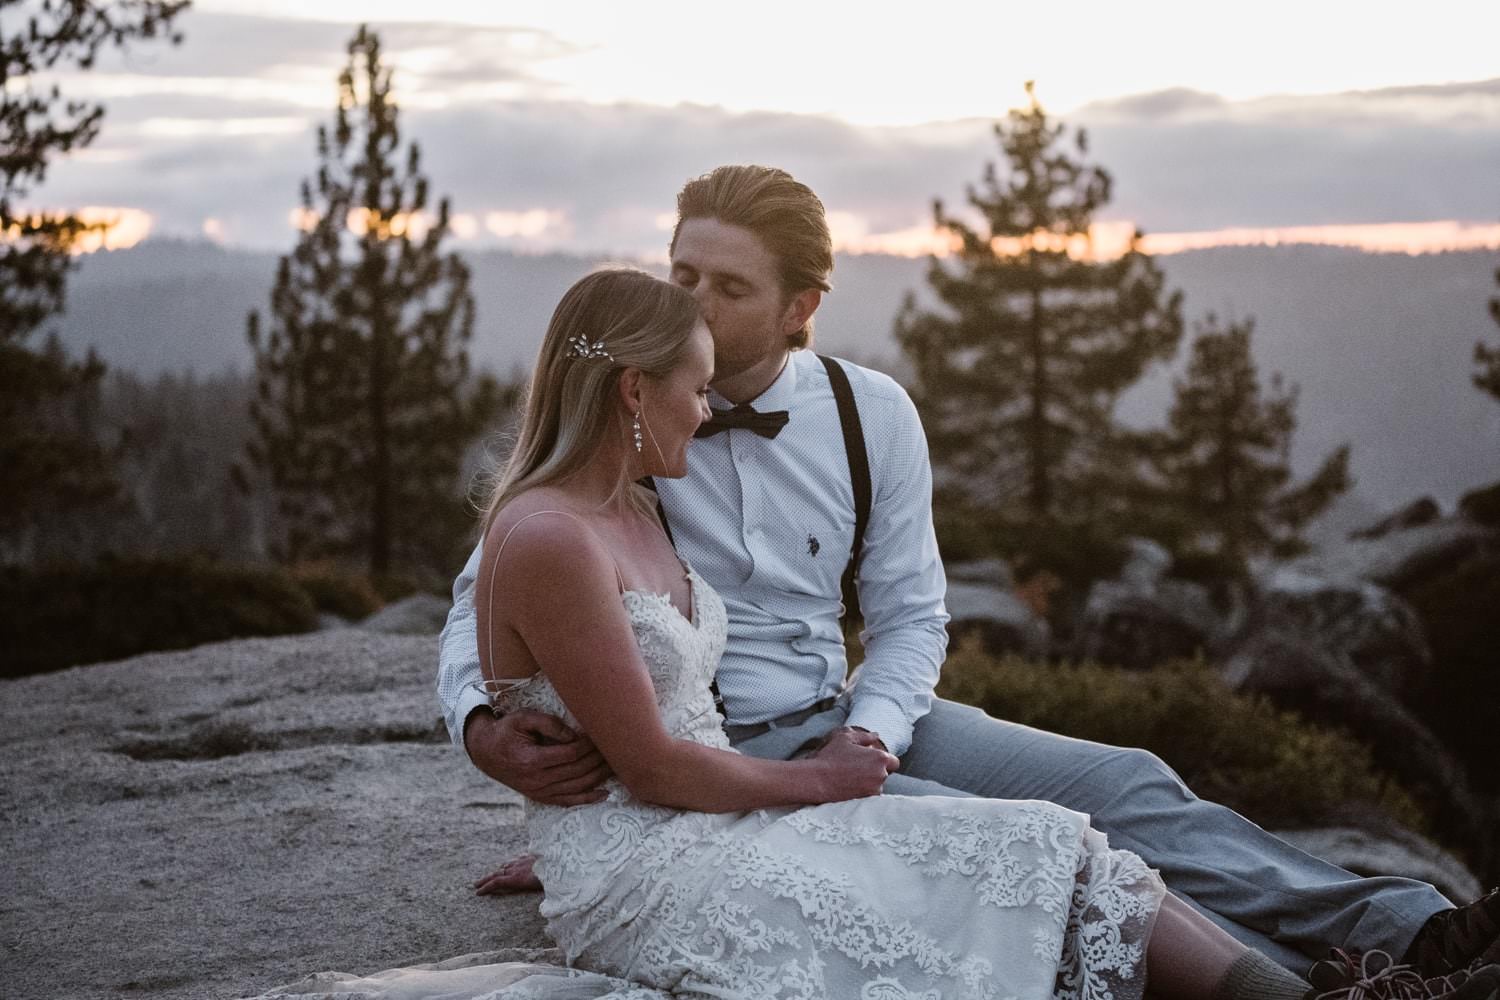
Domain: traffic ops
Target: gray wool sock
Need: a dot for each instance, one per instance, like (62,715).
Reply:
(1253,976)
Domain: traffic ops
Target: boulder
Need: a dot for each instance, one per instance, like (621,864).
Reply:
(1401,559)
(1414,514)
(1390,852)
(990,572)
(1146,563)
(1357,622)
(415,614)
(1296,671)
(328,620)
(1002,621)
(1125,627)
(1482,506)
(1413,612)
(1461,694)
(1143,619)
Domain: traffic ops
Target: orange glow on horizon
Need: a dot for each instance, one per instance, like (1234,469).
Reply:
(122,228)
(1109,240)
(1381,237)
(127,227)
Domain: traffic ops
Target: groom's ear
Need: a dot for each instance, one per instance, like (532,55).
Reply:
(800,310)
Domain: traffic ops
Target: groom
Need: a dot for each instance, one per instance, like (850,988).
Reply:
(766,515)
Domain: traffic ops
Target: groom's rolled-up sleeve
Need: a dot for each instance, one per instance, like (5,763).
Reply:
(459,679)
(901,583)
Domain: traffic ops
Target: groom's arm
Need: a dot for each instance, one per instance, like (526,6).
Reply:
(901,583)
(459,681)
(535,754)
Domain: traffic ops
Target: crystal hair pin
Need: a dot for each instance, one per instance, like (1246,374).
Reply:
(579,347)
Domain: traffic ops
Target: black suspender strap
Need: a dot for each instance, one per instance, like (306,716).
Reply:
(859,475)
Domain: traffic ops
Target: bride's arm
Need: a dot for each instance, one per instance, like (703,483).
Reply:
(557,591)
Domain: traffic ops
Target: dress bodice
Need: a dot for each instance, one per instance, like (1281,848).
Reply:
(680,652)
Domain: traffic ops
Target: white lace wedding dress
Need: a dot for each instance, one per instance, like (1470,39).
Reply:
(884,898)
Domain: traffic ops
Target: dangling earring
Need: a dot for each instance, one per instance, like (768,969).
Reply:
(635,429)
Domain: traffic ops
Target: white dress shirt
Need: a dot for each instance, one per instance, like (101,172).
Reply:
(769,524)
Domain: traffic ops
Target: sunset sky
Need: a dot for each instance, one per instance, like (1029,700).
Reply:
(569,126)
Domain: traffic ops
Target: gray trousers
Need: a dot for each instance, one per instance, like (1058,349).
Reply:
(1267,893)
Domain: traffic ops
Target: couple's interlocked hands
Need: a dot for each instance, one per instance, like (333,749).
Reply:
(855,763)
(545,760)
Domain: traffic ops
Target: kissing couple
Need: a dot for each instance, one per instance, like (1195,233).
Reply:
(713,811)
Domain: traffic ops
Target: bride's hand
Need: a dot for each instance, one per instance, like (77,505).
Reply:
(516,875)
(854,763)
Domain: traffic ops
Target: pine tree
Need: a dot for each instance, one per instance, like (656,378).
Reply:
(51,463)
(1488,358)
(1223,459)
(1017,376)
(365,405)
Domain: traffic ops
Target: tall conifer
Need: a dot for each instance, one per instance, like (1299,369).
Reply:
(52,460)
(1224,458)
(1018,371)
(364,405)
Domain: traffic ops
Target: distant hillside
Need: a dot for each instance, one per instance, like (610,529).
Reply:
(1381,345)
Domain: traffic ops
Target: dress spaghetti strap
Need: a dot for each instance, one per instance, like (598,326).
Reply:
(495,685)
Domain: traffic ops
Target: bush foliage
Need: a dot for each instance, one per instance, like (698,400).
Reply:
(1460,695)
(1482,505)
(1241,751)
(57,617)
(337,591)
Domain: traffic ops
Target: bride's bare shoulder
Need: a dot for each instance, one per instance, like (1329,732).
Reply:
(542,531)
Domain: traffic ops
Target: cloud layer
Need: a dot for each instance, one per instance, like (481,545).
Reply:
(221,129)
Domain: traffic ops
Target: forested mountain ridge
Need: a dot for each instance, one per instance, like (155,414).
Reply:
(1381,344)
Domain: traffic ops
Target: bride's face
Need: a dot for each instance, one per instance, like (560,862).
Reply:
(674,405)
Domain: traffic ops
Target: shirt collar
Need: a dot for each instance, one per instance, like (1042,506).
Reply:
(777,396)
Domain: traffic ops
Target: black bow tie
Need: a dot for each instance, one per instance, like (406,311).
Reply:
(767,424)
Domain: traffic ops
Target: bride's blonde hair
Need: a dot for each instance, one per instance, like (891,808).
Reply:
(625,318)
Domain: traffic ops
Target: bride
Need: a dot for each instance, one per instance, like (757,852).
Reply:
(706,872)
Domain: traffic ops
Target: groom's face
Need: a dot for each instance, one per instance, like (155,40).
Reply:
(735,280)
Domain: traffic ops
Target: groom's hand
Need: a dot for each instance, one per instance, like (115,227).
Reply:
(859,763)
(858,735)
(537,755)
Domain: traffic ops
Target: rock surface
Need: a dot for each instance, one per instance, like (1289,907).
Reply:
(1001,620)
(213,822)
(416,614)
(1401,558)
(1141,619)
(1413,515)
(982,601)
(1368,853)
(1357,623)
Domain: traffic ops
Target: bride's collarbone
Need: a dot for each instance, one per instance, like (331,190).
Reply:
(640,549)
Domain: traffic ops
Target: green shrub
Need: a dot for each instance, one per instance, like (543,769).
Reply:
(57,617)
(338,591)
(395,585)
(1238,750)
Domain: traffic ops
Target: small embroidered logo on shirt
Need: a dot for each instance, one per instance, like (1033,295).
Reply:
(812,545)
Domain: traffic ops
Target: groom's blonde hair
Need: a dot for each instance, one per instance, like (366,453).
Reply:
(625,318)
(784,215)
